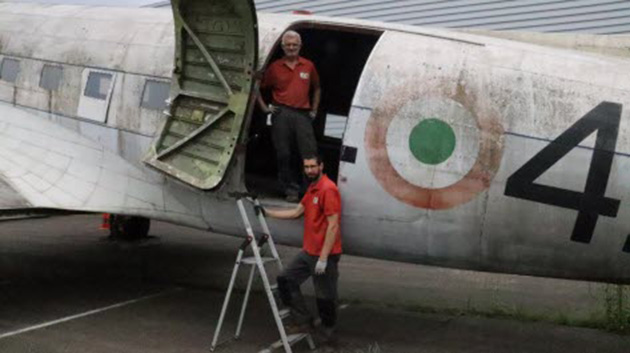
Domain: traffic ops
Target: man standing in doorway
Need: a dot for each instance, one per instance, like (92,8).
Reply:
(320,253)
(291,79)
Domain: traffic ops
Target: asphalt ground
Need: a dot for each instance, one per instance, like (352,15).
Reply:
(64,287)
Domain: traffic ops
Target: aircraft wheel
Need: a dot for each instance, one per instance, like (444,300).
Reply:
(129,227)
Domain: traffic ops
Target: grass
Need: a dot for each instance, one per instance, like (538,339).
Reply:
(612,316)
(617,308)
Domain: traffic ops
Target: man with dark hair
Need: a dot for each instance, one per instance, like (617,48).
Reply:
(320,253)
(291,79)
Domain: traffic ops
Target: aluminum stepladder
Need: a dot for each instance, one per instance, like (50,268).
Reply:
(257,261)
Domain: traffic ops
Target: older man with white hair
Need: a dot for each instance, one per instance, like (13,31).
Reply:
(292,79)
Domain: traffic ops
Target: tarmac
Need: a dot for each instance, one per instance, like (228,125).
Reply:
(64,287)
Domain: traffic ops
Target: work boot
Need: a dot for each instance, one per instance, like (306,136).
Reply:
(326,336)
(294,328)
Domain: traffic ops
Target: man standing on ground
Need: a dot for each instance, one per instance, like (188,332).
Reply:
(291,80)
(320,253)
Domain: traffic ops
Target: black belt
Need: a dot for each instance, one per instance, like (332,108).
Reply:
(300,110)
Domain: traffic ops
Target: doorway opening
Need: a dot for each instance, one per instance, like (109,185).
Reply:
(339,55)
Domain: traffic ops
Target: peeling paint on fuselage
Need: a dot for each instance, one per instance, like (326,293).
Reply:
(475,181)
(522,97)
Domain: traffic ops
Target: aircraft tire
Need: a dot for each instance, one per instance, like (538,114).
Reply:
(129,227)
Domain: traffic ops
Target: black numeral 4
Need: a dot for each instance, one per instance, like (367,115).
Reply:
(591,203)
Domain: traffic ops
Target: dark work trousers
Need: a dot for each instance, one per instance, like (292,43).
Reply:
(299,270)
(292,127)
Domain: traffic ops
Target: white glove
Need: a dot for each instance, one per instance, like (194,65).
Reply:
(320,267)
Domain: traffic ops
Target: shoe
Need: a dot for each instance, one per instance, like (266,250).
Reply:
(327,336)
(292,329)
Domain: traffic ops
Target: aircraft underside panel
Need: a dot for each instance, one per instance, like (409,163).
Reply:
(10,199)
(216,51)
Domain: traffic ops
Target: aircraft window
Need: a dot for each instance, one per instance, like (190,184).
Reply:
(98,85)
(51,77)
(9,70)
(335,126)
(155,94)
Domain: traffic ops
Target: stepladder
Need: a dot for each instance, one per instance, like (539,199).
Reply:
(257,263)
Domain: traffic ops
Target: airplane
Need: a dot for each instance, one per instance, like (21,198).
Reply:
(486,151)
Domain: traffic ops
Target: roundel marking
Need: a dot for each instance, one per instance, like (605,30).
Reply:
(454,164)
(432,141)
(480,147)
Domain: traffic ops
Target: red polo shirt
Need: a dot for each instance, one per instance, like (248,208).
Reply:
(321,200)
(291,87)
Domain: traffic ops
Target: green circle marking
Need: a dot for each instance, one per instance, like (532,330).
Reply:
(432,141)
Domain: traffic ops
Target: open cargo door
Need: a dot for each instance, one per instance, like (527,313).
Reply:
(215,54)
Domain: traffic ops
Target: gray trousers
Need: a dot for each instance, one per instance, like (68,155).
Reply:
(292,127)
(299,270)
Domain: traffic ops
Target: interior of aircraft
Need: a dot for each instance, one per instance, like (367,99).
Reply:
(339,54)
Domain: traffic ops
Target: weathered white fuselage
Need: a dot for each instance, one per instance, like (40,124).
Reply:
(506,101)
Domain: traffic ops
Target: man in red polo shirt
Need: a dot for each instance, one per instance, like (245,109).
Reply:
(291,80)
(320,253)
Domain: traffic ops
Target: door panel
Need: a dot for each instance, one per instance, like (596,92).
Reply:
(215,55)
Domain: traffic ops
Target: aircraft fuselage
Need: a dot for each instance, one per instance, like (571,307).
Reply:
(460,150)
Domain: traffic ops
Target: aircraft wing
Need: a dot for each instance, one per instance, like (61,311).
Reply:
(44,165)
(11,199)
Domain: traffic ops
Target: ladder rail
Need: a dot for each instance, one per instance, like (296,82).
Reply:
(245,300)
(265,279)
(228,294)
(265,227)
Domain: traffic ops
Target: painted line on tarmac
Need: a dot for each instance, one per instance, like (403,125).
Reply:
(87,313)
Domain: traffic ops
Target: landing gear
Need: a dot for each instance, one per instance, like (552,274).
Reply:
(128,227)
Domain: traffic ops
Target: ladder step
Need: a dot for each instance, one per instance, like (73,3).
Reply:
(284,313)
(292,339)
(274,287)
(252,260)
